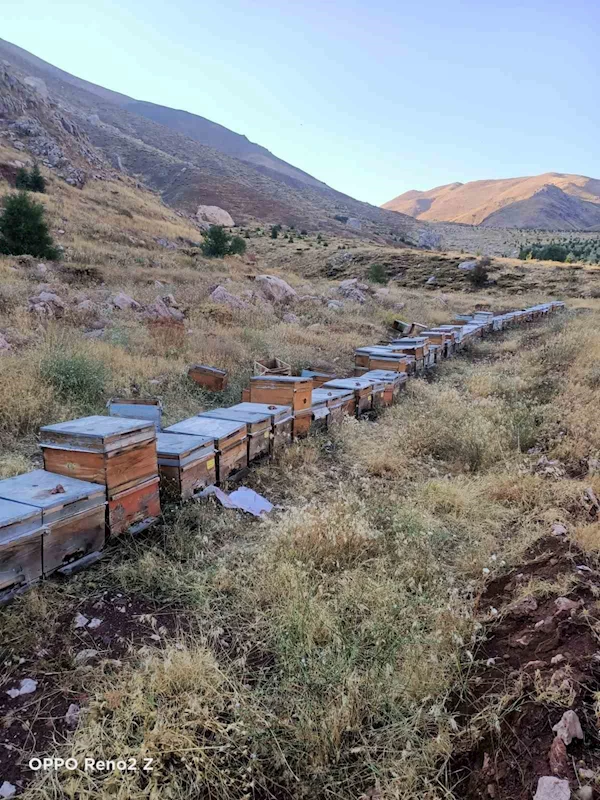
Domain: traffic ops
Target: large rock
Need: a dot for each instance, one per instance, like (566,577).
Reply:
(213,215)
(354,223)
(467,266)
(221,295)
(350,289)
(162,309)
(46,304)
(4,345)
(123,301)
(275,289)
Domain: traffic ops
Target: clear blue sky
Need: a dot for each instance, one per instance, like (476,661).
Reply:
(374,97)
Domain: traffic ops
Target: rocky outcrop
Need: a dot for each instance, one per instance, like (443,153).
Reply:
(222,296)
(352,290)
(46,304)
(165,309)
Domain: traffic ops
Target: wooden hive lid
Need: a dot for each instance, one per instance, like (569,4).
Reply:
(97,433)
(325,395)
(281,379)
(58,496)
(206,370)
(349,383)
(17,520)
(278,413)
(384,376)
(238,415)
(182,444)
(220,430)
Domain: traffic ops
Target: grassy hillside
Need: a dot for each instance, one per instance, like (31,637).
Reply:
(335,649)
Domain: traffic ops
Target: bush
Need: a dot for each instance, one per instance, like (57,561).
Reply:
(23,229)
(218,243)
(34,180)
(478,276)
(77,378)
(377,274)
(275,229)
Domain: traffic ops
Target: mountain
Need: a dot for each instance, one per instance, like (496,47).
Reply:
(189,160)
(552,201)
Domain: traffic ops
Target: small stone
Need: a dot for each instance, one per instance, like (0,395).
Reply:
(550,788)
(584,793)
(558,529)
(72,715)
(557,757)
(291,319)
(123,301)
(7,790)
(95,623)
(27,686)
(84,656)
(586,774)
(557,658)
(524,606)
(568,728)
(80,621)
(531,665)
(564,605)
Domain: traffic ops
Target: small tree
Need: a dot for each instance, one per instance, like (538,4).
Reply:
(478,276)
(37,182)
(237,246)
(23,229)
(22,179)
(218,243)
(377,273)
(275,231)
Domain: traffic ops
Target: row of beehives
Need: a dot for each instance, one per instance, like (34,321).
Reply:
(104,476)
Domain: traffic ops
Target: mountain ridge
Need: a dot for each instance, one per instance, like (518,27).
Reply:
(524,202)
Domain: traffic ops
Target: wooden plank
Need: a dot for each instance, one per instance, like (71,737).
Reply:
(259,444)
(73,538)
(125,468)
(85,466)
(302,423)
(292,391)
(283,434)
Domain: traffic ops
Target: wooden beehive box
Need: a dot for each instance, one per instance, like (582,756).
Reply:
(318,378)
(186,464)
(416,346)
(363,391)
(302,422)
(116,452)
(211,378)
(442,338)
(258,424)
(394,383)
(320,411)
(135,508)
(20,547)
(377,389)
(272,366)
(72,511)
(340,403)
(283,390)
(148,408)
(282,421)
(369,358)
(230,441)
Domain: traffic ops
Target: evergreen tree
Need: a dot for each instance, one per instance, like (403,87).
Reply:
(22,179)
(218,243)
(23,229)
(237,246)
(37,182)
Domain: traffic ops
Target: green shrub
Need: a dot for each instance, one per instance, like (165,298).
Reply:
(218,243)
(34,180)
(77,378)
(377,274)
(275,229)
(23,229)
(478,276)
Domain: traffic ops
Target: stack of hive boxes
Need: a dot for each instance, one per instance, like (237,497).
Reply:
(118,453)
(339,403)
(416,346)
(286,390)
(382,357)
(229,439)
(362,389)
(48,522)
(393,382)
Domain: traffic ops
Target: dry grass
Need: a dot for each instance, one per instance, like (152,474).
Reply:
(327,645)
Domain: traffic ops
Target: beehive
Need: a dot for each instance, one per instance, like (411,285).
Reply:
(186,464)
(377,389)
(72,511)
(380,357)
(285,390)
(137,408)
(119,453)
(20,547)
(211,378)
(230,442)
(441,338)
(340,403)
(319,412)
(362,388)
(394,382)
(258,426)
(282,421)
(113,451)
(416,346)
(318,378)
